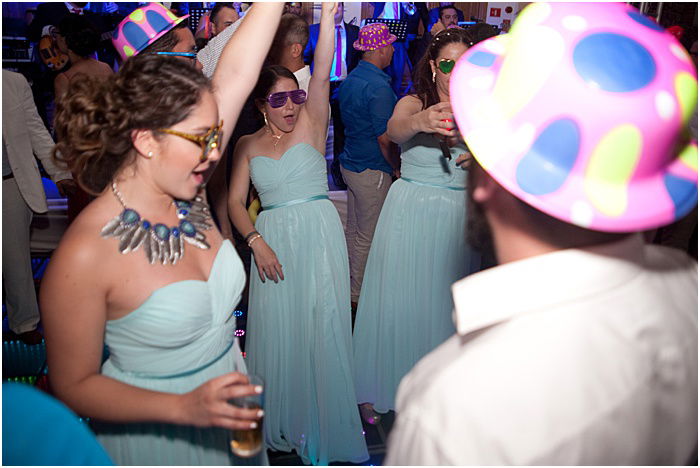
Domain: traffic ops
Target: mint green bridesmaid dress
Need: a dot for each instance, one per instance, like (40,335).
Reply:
(299,337)
(419,249)
(179,338)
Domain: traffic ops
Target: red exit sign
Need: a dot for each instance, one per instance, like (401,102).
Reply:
(495,12)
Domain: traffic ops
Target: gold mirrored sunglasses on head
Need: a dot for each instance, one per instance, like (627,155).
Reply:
(208,142)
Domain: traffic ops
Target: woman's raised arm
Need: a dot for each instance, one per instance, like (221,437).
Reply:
(408,119)
(316,106)
(241,60)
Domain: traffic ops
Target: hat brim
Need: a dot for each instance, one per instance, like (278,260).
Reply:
(117,42)
(364,48)
(492,138)
(164,32)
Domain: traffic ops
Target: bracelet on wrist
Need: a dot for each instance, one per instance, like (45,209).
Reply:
(253,238)
(249,235)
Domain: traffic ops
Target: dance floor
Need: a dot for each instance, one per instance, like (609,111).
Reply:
(27,364)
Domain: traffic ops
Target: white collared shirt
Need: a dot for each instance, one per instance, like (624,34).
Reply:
(209,55)
(303,76)
(578,357)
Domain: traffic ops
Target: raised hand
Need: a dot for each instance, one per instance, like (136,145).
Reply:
(437,27)
(330,8)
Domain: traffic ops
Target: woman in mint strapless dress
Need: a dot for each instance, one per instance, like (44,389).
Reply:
(299,336)
(419,247)
(145,272)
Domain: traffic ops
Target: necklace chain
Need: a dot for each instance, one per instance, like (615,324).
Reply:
(118,194)
(120,198)
(277,138)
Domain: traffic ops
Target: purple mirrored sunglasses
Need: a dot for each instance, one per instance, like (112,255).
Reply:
(276,100)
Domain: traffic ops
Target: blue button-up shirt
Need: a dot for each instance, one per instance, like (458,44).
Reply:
(366,103)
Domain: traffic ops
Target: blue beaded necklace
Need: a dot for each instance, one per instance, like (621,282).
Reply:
(160,243)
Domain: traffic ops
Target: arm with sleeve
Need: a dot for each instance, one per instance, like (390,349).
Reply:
(41,141)
(381,104)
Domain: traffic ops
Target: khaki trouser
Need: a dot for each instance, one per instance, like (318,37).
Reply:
(366,193)
(20,296)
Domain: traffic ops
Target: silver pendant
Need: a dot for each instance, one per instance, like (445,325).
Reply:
(161,244)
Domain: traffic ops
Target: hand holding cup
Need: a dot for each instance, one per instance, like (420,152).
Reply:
(207,405)
(248,442)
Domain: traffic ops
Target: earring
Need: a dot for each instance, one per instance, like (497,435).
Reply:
(149,155)
(265,117)
(433,77)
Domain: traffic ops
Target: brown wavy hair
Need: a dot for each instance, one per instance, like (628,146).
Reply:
(423,86)
(95,119)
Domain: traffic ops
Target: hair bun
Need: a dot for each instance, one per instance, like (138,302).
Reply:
(94,120)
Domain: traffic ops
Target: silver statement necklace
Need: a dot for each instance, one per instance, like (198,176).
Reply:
(160,243)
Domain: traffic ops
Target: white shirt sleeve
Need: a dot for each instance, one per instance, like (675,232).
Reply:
(209,55)
(412,444)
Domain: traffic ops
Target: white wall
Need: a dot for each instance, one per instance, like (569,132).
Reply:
(497,20)
(353,10)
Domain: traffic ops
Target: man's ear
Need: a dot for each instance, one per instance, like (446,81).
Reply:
(484,186)
(144,142)
(297,50)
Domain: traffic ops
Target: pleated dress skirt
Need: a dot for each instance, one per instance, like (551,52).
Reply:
(419,249)
(299,329)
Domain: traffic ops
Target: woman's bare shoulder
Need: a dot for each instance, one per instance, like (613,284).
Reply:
(250,145)
(82,246)
(411,101)
(105,69)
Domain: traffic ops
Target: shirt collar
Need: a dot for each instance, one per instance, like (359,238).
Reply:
(373,68)
(303,73)
(341,25)
(506,291)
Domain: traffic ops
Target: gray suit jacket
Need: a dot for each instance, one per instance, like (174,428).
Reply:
(25,135)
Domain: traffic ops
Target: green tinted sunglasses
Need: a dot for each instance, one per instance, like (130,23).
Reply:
(446,65)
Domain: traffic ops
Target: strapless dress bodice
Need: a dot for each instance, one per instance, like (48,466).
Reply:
(421,162)
(299,174)
(182,326)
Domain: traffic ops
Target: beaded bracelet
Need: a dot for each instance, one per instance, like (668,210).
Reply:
(249,235)
(255,237)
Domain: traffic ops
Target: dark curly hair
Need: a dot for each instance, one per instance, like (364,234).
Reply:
(423,85)
(95,119)
(81,35)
